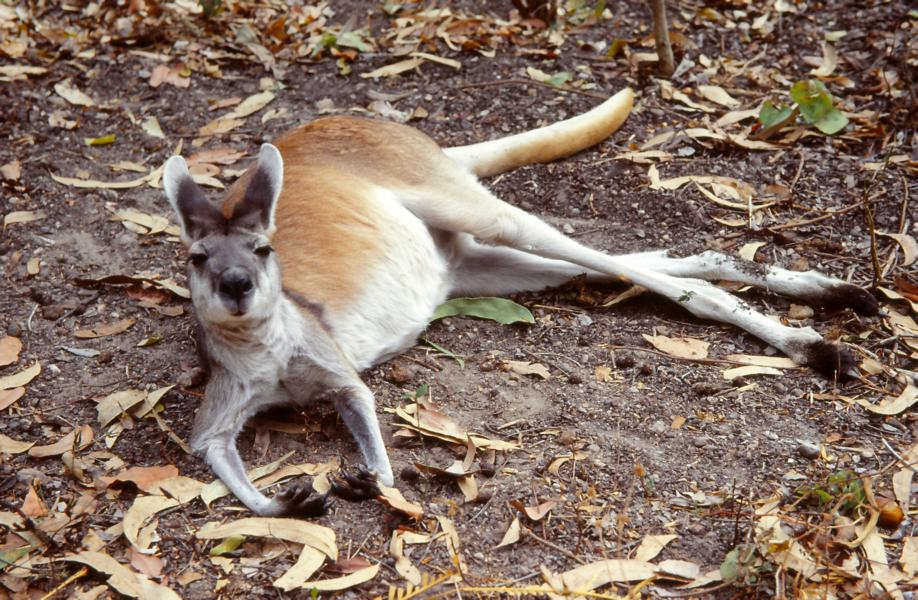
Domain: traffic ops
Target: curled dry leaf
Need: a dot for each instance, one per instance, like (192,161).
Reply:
(9,397)
(136,518)
(512,535)
(250,105)
(403,564)
(890,405)
(21,378)
(652,545)
(778,362)
(122,579)
(719,95)
(342,583)
(10,446)
(524,367)
(23,216)
(394,69)
(750,370)
(178,76)
(105,329)
(77,440)
(293,530)
(308,563)
(394,499)
(10,347)
(68,92)
(679,347)
(907,243)
(748,250)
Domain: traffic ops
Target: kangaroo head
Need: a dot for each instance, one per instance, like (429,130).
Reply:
(233,274)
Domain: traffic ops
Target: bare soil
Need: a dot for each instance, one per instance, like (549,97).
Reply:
(638,468)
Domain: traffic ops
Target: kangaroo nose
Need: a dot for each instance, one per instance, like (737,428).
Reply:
(235,283)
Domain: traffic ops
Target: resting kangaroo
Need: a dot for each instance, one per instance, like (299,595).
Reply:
(331,252)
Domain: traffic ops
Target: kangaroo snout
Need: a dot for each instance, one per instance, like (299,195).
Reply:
(236,286)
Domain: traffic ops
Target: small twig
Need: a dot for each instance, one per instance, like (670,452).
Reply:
(871,226)
(556,88)
(828,215)
(903,223)
(552,545)
(898,456)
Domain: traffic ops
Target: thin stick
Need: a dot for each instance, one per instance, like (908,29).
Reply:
(552,545)
(661,35)
(82,572)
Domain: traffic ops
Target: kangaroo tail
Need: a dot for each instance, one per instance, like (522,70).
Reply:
(546,143)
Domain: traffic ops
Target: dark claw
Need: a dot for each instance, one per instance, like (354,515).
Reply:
(356,487)
(295,502)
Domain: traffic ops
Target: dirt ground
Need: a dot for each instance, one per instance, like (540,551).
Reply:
(659,445)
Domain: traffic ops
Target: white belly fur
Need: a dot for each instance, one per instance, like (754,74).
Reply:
(411,277)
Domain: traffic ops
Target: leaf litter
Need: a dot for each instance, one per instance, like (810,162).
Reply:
(787,542)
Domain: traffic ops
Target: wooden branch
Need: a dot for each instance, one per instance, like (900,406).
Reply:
(661,33)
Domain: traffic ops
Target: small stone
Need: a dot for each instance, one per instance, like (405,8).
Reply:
(624,361)
(409,473)
(807,449)
(54,312)
(658,427)
(40,296)
(771,435)
(398,374)
(567,228)
(574,378)
(189,378)
(105,357)
(483,496)
(697,529)
(706,388)
(14,329)
(700,442)
(486,468)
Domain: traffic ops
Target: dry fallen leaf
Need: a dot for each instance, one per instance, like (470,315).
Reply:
(33,505)
(104,330)
(122,579)
(394,69)
(250,105)
(78,439)
(11,170)
(145,478)
(21,378)
(652,545)
(308,563)
(748,250)
(719,95)
(342,583)
(8,397)
(23,216)
(136,518)
(778,362)
(10,446)
(679,347)
(68,92)
(890,405)
(394,499)
(524,367)
(293,530)
(907,243)
(512,535)
(750,370)
(10,347)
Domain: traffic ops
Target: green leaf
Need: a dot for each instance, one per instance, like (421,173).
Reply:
(559,79)
(445,352)
(496,309)
(729,569)
(228,545)
(832,122)
(816,106)
(10,556)
(100,141)
(772,114)
(352,39)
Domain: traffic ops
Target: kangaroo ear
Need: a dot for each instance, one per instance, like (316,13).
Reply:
(263,188)
(197,217)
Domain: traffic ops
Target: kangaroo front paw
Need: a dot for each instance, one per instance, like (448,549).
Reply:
(295,501)
(357,487)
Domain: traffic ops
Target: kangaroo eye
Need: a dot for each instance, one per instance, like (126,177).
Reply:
(197,259)
(264,251)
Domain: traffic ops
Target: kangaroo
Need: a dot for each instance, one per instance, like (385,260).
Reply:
(332,251)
